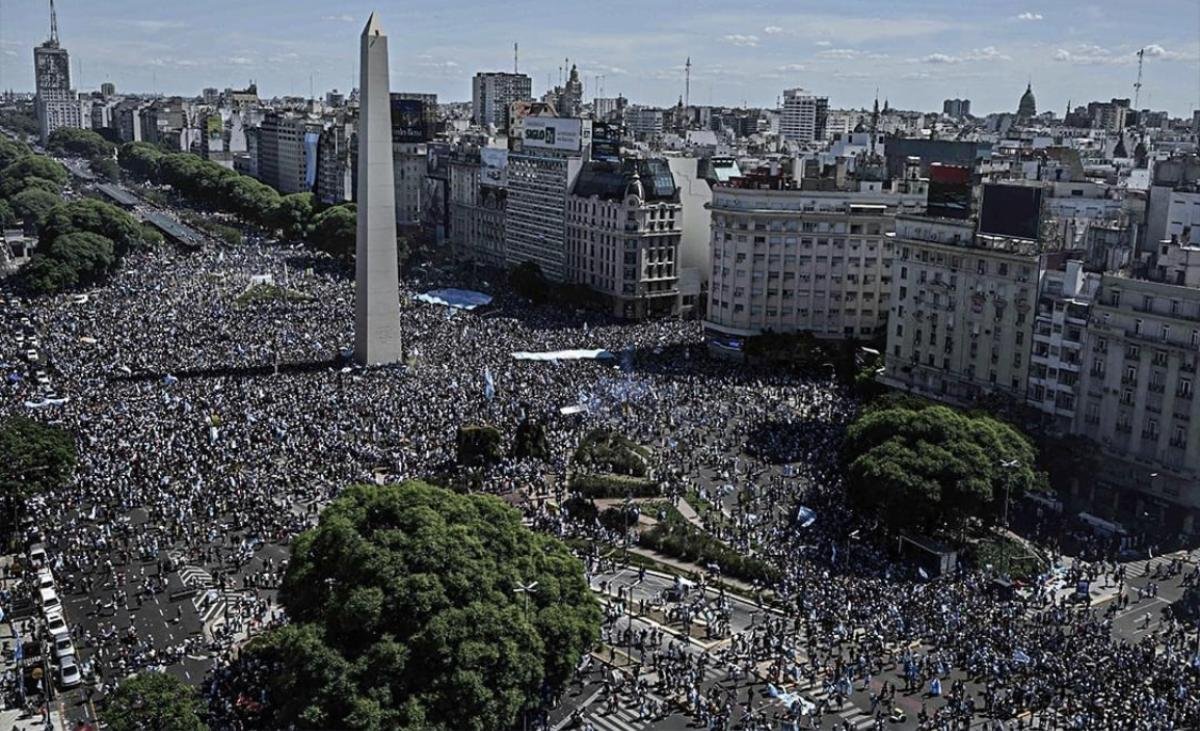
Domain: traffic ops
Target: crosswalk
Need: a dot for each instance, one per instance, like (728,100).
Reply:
(850,713)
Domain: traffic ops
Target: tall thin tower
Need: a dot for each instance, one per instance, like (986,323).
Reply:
(687,83)
(376,276)
(53,25)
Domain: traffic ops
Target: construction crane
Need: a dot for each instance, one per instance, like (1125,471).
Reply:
(1137,87)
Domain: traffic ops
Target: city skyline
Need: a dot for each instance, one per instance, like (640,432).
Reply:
(916,55)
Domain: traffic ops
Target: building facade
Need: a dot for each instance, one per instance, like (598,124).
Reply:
(535,211)
(1065,296)
(283,153)
(962,311)
(801,261)
(493,92)
(477,207)
(624,222)
(803,117)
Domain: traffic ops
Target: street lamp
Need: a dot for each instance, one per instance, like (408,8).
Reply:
(1007,464)
(526,589)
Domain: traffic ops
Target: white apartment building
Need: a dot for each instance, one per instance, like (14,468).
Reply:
(476,212)
(1059,331)
(493,92)
(961,312)
(801,261)
(624,223)
(644,121)
(803,117)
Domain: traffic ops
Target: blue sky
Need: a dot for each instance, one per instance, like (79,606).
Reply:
(916,53)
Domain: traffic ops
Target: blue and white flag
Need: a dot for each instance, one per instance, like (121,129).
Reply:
(923,573)
(805,516)
(489,385)
(1021,657)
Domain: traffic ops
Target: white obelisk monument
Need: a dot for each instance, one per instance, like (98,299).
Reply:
(376,280)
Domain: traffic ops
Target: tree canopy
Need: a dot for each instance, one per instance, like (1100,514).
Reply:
(25,171)
(405,615)
(79,142)
(32,205)
(335,231)
(151,701)
(478,445)
(140,159)
(292,214)
(94,216)
(33,458)
(925,467)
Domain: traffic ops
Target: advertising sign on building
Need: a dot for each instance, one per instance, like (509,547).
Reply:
(494,167)
(553,133)
(438,156)
(408,120)
(606,142)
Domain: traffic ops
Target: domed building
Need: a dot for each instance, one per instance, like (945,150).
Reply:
(1027,109)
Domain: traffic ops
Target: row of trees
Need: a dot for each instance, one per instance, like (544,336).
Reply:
(479,445)
(33,458)
(79,243)
(297,216)
(89,145)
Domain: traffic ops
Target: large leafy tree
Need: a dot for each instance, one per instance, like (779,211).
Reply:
(90,256)
(334,231)
(96,217)
(79,142)
(292,214)
(405,615)
(32,205)
(153,701)
(33,458)
(926,467)
(478,445)
(34,166)
(140,159)
(11,151)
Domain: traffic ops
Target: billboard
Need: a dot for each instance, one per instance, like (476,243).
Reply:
(493,167)
(553,133)
(949,191)
(408,120)
(606,142)
(1011,210)
(438,160)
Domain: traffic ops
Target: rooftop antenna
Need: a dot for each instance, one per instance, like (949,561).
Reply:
(687,83)
(1137,86)
(53,24)
(516,57)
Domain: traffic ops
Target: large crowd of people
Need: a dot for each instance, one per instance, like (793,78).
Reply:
(212,426)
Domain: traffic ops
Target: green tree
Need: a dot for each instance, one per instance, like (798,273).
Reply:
(605,450)
(11,151)
(33,205)
(151,701)
(527,280)
(8,217)
(47,275)
(34,166)
(530,441)
(79,142)
(140,159)
(33,458)
(335,231)
(94,216)
(105,168)
(934,466)
(292,215)
(91,256)
(478,445)
(250,199)
(405,615)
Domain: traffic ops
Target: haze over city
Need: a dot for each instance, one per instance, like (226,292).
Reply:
(916,53)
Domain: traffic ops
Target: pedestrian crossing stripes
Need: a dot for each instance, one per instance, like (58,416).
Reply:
(622,719)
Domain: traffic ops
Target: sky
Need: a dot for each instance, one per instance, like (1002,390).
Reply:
(915,52)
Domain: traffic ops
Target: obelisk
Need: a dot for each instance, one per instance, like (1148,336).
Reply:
(376,280)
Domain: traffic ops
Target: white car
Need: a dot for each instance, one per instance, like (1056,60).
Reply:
(63,646)
(48,598)
(56,625)
(37,554)
(79,299)
(45,578)
(68,672)
(31,356)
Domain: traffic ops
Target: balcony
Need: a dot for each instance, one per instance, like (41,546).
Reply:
(1157,388)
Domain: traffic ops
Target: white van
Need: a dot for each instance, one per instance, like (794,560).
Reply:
(48,598)
(45,578)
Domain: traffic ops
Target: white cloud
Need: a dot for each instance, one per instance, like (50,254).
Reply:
(153,26)
(1089,54)
(988,53)
(343,18)
(843,53)
(10,53)
(738,39)
(1029,16)
(772,30)
(241,61)
(824,44)
(791,67)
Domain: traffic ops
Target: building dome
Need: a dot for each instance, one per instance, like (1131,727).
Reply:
(1027,109)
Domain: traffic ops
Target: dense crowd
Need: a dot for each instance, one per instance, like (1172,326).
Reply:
(212,426)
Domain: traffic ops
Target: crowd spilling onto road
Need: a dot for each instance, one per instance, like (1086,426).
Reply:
(212,427)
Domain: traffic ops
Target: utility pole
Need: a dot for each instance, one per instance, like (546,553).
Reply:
(516,57)
(687,83)
(1137,86)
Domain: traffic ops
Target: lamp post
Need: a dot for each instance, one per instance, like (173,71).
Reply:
(1009,465)
(526,589)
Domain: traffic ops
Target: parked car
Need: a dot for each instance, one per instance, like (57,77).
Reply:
(56,625)
(68,672)
(63,646)
(48,599)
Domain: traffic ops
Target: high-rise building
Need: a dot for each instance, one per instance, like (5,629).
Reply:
(334,183)
(108,89)
(803,117)
(56,105)
(644,121)
(957,108)
(478,196)
(624,222)
(493,92)
(287,152)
